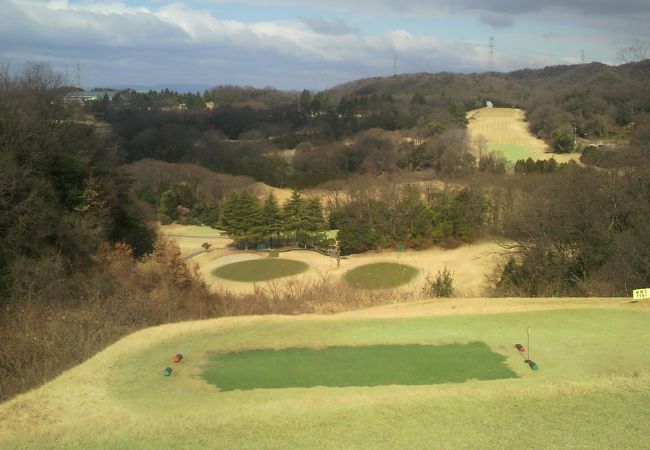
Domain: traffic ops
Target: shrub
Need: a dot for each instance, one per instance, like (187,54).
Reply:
(440,286)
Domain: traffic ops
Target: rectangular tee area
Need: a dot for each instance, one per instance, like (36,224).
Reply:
(355,366)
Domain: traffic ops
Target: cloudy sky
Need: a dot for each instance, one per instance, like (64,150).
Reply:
(291,44)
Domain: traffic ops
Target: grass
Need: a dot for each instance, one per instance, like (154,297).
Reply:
(260,269)
(355,366)
(195,231)
(380,275)
(591,391)
(512,152)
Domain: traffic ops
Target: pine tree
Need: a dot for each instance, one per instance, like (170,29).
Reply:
(314,222)
(293,217)
(230,221)
(241,217)
(250,214)
(271,221)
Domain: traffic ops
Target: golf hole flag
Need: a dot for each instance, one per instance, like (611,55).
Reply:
(640,294)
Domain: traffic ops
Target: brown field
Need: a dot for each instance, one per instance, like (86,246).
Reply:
(506,127)
(472,265)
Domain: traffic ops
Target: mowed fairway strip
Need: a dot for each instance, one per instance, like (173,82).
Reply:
(591,391)
(506,132)
(260,269)
(383,275)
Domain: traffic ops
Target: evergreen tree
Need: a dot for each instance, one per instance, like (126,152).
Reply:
(206,213)
(171,199)
(409,209)
(294,218)
(271,220)
(241,217)
(315,224)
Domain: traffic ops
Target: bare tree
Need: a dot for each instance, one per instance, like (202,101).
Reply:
(637,51)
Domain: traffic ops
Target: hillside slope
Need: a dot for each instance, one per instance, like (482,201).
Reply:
(591,355)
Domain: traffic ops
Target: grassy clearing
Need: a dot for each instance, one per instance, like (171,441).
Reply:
(591,391)
(512,152)
(260,269)
(383,275)
(191,231)
(355,366)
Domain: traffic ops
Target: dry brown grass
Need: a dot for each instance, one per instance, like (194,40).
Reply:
(66,321)
(59,325)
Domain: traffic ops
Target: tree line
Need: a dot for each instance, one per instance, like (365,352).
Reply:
(299,221)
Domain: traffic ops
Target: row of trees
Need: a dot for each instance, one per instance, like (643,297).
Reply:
(379,221)
(298,221)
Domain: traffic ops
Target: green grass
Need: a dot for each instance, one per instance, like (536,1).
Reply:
(592,389)
(332,234)
(355,366)
(260,269)
(512,152)
(380,275)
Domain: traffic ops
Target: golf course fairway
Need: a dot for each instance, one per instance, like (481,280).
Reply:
(591,390)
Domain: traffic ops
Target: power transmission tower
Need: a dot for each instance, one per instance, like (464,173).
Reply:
(395,66)
(491,53)
(582,56)
(77,80)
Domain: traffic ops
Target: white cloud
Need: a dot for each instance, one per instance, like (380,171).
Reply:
(178,42)
(175,35)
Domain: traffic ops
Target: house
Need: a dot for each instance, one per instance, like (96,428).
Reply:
(87,96)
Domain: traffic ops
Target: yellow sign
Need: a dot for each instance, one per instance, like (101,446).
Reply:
(640,294)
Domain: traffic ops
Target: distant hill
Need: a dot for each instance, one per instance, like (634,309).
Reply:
(178,87)
(602,100)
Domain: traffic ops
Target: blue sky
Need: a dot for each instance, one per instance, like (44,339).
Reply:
(292,45)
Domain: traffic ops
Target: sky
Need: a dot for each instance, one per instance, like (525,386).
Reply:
(295,45)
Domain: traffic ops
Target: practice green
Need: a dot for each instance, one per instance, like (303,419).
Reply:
(260,269)
(381,275)
(356,366)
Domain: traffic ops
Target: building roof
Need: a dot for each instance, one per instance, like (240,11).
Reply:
(90,95)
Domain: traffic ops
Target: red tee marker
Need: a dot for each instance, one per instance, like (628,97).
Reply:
(521,348)
(177,358)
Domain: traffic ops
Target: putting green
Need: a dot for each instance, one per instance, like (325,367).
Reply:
(512,152)
(356,366)
(260,269)
(381,275)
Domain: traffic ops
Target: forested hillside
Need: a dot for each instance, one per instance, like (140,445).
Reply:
(377,125)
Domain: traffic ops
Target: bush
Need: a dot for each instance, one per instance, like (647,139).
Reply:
(440,286)
(563,141)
